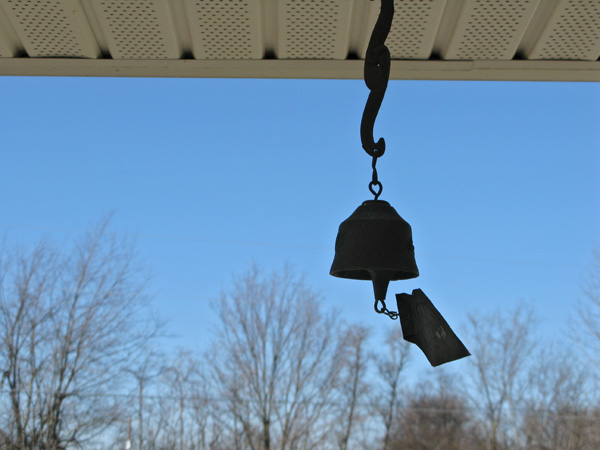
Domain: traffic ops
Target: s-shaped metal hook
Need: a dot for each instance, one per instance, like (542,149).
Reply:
(377,74)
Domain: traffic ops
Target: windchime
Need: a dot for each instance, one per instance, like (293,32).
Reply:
(375,243)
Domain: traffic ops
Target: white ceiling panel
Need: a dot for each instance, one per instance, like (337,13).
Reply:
(137,29)
(57,28)
(490,29)
(313,29)
(573,32)
(225,29)
(414,28)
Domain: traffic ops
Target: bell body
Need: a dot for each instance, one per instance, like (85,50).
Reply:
(375,243)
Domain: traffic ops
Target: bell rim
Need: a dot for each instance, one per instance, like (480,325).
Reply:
(365,275)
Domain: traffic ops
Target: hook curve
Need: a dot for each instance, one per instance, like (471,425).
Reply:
(377,74)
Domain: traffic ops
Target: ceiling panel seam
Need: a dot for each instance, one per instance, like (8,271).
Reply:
(14,46)
(97,30)
(536,27)
(365,22)
(268,14)
(345,50)
(181,27)
(360,25)
(446,28)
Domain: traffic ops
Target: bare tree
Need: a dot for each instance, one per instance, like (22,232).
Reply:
(207,429)
(389,366)
(146,375)
(184,388)
(559,412)
(353,386)
(434,417)
(176,403)
(501,344)
(586,329)
(69,325)
(178,379)
(275,363)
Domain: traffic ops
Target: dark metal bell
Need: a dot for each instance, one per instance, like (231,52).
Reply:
(375,243)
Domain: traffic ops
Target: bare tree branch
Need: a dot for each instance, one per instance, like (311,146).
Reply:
(70,324)
(389,366)
(501,344)
(586,329)
(353,385)
(275,361)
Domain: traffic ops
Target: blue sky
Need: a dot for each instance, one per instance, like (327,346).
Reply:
(499,181)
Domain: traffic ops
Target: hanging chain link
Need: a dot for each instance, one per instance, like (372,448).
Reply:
(383,310)
(377,75)
(375,183)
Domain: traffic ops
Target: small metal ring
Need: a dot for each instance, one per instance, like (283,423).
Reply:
(376,149)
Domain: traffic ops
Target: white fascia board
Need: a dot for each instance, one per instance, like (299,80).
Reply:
(520,70)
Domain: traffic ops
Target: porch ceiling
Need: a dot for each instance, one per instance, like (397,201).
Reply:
(430,39)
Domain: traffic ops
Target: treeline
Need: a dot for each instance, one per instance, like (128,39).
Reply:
(81,369)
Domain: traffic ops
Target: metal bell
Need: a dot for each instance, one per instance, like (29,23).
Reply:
(375,243)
